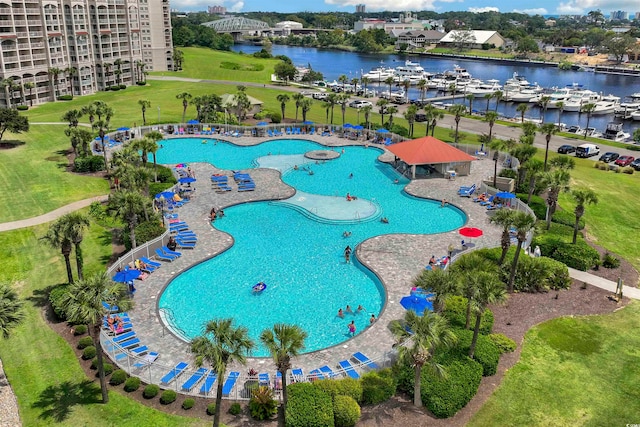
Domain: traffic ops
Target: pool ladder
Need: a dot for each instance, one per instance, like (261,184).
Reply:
(170,318)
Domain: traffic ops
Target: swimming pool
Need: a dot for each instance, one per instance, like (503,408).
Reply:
(298,253)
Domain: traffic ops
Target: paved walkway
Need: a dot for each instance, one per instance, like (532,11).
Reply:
(591,279)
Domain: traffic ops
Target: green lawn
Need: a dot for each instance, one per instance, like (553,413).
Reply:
(33,180)
(572,371)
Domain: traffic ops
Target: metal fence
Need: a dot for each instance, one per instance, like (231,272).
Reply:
(146,249)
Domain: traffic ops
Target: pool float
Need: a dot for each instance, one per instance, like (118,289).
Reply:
(259,287)
(204,141)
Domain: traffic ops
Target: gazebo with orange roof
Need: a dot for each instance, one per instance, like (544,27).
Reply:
(430,151)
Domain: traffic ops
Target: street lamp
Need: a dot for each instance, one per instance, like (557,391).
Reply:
(496,154)
(158,114)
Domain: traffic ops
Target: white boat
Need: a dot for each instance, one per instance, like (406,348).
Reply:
(379,74)
(592,132)
(614,132)
(411,71)
(575,129)
(480,89)
(626,109)
(560,95)
(606,105)
(579,99)
(522,95)
(517,80)
(635,115)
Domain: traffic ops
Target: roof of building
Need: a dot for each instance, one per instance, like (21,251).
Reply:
(229,100)
(428,151)
(427,34)
(481,36)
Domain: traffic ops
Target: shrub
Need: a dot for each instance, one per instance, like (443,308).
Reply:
(211,409)
(609,261)
(455,309)
(275,117)
(230,65)
(88,164)
(131,384)
(148,230)
(22,107)
(84,342)
(508,173)
(65,98)
(377,386)
(168,396)
(262,404)
(123,87)
(94,363)
(115,88)
(118,377)
(55,298)
(503,343)
(141,83)
(108,369)
(557,273)
(235,408)
(308,406)
(567,218)
(188,403)
(89,353)
(345,387)
(486,353)
(164,174)
(159,187)
(79,329)
(580,256)
(151,391)
(346,411)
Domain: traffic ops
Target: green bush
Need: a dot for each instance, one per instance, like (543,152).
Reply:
(235,408)
(508,173)
(275,117)
(262,404)
(131,384)
(168,396)
(567,218)
(123,87)
(88,164)
(115,88)
(84,342)
(65,98)
(609,261)
(79,329)
(308,406)
(55,298)
(108,369)
(151,391)
(486,353)
(89,352)
(580,256)
(377,386)
(503,343)
(211,409)
(188,403)
(22,107)
(455,309)
(537,204)
(94,363)
(159,187)
(230,65)
(346,411)
(628,170)
(118,377)
(148,230)
(164,173)
(557,273)
(344,386)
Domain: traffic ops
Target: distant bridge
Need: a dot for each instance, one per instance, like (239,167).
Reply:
(237,25)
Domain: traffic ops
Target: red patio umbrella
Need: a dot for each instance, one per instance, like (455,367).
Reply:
(470,232)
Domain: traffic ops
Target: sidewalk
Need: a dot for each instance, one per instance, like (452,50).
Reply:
(627,291)
(53,215)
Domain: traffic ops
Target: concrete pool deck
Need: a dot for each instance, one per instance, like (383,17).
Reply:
(395,258)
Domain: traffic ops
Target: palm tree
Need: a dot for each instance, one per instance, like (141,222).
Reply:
(389,81)
(457,110)
(283,342)
(354,84)
(54,73)
(107,68)
(75,224)
(73,117)
(523,223)
(332,100)
(104,114)
(154,136)
(57,238)
(441,283)
(588,110)
(490,290)
(11,313)
(366,110)
(365,81)
(406,84)
(391,111)
(343,79)
(283,98)
(382,108)
(547,129)
(562,162)
(144,104)
(127,205)
(437,115)
(556,180)
(30,86)
(466,269)
(582,196)
(297,97)
(327,107)
(305,106)
(422,87)
(410,116)
(504,218)
(560,107)
(544,103)
(490,117)
(418,338)
(219,345)
(488,97)
(71,71)
(89,110)
(185,97)
(343,99)
(83,304)
(431,113)
(470,97)
(8,94)
(498,95)
(522,109)
(534,168)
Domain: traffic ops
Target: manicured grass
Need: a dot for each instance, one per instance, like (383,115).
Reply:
(572,371)
(42,368)
(33,179)
(204,63)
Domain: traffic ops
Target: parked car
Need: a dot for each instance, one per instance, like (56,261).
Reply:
(624,160)
(566,149)
(609,156)
(421,117)
(319,95)
(358,103)
(635,164)
(419,102)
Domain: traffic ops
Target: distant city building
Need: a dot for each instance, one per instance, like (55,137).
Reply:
(550,23)
(217,10)
(637,16)
(405,22)
(286,27)
(618,15)
(361,8)
(420,38)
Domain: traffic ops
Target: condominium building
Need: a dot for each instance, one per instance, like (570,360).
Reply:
(55,47)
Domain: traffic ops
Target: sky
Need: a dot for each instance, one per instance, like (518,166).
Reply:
(541,7)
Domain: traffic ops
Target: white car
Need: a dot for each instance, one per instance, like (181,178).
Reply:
(319,95)
(359,104)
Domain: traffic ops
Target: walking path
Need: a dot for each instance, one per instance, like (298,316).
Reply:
(591,279)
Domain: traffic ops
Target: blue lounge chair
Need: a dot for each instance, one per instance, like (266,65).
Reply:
(170,252)
(348,369)
(147,360)
(328,372)
(164,257)
(468,193)
(263,379)
(297,375)
(487,202)
(207,385)
(229,383)
(139,351)
(315,375)
(194,379)
(185,245)
(124,337)
(174,373)
(110,308)
(129,344)
(361,358)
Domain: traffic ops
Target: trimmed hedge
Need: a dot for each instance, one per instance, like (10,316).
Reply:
(455,310)
(55,298)
(235,408)
(84,342)
(211,409)
(486,353)
(151,391)
(378,386)
(580,256)
(79,330)
(89,352)
(22,107)
(503,343)
(88,164)
(537,204)
(345,387)
(65,97)
(108,369)
(308,406)
(164,174)
(118,377)
(168,396)
(189,403)
(131,384)
(567,218)
(346,411)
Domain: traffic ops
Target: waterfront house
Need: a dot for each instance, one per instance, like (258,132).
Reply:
(476,38)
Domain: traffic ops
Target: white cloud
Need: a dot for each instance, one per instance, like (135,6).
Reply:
(483,9)
(584,6)
(397,5)
(202,5)
(236,7)
(538,11)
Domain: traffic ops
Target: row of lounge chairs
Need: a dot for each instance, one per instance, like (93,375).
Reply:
(220,183)
(489,203)
(209,377)
(124,342)
(466,191)
(244,181)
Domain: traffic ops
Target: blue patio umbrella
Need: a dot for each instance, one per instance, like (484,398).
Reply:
(417,304)
(186,180)
(505,195)
(125,276)
(382,130)
(358,127)
(123,129)
(307,122)
(193,122)
(262,123)
(165,194)
(347,125)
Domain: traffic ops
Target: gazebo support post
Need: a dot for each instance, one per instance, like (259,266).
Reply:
(413,172)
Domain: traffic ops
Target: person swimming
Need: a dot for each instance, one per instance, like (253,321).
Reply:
(340,313)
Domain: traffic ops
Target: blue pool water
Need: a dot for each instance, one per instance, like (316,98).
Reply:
(298,256)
